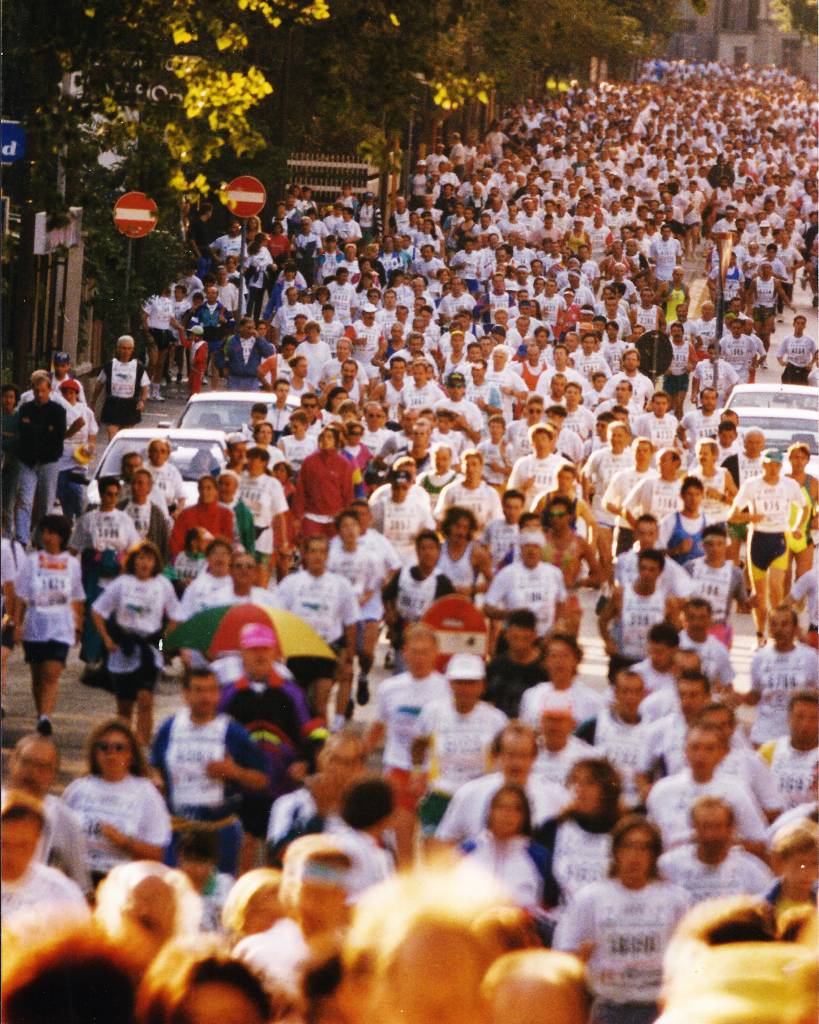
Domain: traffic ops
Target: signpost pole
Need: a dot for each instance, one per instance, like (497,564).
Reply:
(242,254)
(245,197)
(129,260)
(135,217)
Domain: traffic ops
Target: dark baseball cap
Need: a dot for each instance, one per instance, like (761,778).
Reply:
(456,380)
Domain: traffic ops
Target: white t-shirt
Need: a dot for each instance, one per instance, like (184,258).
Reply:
(99,530)
(133,806)
(554,766)
(399,702)
(296,449)
(654,496)
(793,772)
(671,799)
(48,892)
(81,436)
(775,676)
(123,379)
(739,874)
(542,473)
(191,747)
(459,744)
(168,482)
(363,568)
(540,589)
(630,930)
(278,954)
(586,702)
(771,501)
(264,496)
(140,607)
(327,602)
(205,591)
(483,500)
(49,584)
(468,810)
(599,471)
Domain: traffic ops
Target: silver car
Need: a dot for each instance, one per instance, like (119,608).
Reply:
(785,412)
(193,452)
(227,411)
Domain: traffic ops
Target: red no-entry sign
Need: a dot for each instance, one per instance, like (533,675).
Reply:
(135,215)
(246,196)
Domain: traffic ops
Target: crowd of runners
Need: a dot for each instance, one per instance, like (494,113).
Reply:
(454,401)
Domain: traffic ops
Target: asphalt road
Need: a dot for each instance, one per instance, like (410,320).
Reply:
(79,707)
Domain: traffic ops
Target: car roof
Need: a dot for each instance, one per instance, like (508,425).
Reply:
(232,396)
(171,433)
(803,389)
(782,412)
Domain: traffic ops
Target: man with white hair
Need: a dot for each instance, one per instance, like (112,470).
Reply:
(510,384)
(125,382)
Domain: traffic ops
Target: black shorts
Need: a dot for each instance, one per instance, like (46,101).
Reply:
(120,412)
(254,814)
(308,670)
(128,684)
(795,374)
(7,636)
(44,650)
(766,548)
(162,339)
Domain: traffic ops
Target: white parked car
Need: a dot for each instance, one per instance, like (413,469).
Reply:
(193,452)
(786,412)
(227,411)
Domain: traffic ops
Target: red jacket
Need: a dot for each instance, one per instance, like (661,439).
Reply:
(216,519)
(324,486)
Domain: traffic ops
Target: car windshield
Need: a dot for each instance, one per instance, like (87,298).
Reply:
(227,416)
(775,399)
(193,458)
(782,432)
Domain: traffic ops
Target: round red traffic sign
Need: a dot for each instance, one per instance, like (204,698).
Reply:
(135,214)
(246,196)
(460,627)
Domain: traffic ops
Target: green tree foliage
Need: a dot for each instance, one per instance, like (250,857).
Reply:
(796,16)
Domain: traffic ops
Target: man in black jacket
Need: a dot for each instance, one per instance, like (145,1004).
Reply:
(42,431)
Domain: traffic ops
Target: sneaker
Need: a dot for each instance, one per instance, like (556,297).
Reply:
(362,692)
(44,726)
(158,396)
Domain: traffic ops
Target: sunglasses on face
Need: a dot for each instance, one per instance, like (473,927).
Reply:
(112,747)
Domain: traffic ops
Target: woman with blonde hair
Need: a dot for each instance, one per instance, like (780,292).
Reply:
(253,903)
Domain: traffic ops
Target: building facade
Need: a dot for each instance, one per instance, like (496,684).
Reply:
(740,32)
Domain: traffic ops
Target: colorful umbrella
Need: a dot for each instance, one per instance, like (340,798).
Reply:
(216,630)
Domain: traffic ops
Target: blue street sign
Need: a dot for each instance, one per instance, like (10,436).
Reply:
(12,142)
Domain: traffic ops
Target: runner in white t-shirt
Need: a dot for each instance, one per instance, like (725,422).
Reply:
(453,737)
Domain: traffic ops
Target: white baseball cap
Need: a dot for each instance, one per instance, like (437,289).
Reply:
(466,666)
(368,308)
(532,536)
